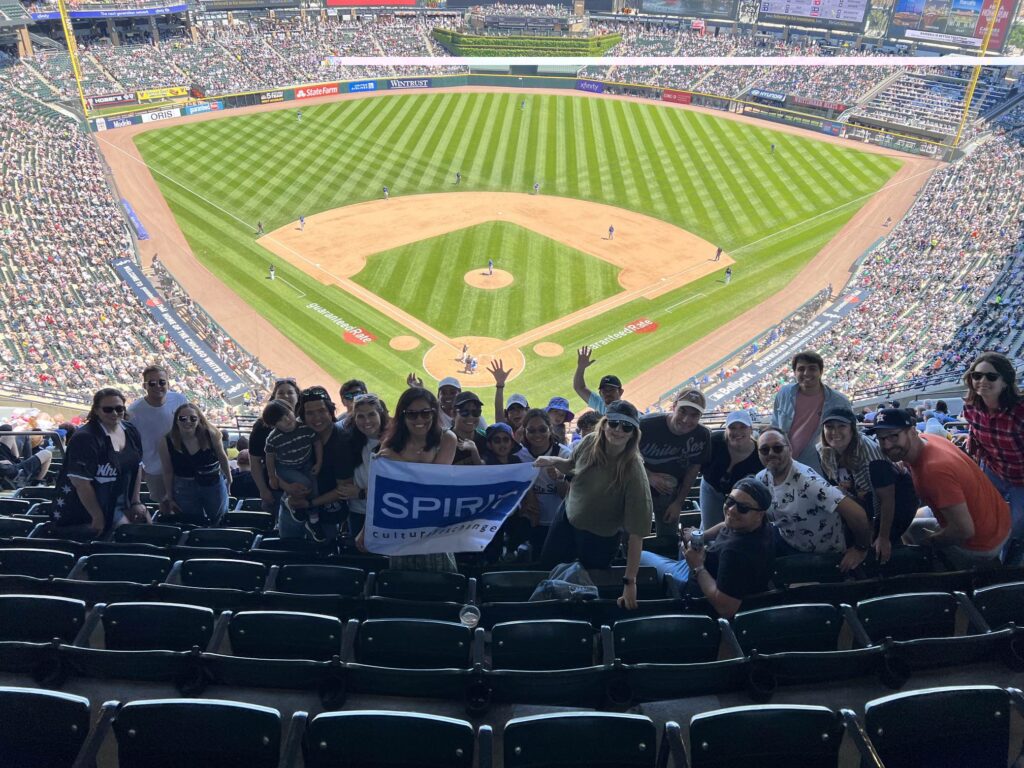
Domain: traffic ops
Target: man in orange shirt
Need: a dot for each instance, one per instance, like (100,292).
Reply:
(973,519)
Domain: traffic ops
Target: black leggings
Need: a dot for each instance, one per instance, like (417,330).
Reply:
(566,543)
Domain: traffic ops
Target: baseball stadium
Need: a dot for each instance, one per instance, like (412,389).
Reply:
(723,299)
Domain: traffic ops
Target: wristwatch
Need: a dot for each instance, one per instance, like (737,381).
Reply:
(626,581)
(699,570)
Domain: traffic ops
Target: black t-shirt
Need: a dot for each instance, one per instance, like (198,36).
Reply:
(258,445)
(717,473)
(338,463)
(671,454)
(462,457)
(742,562)
(91,455)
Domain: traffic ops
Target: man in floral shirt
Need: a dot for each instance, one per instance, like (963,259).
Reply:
(808,512)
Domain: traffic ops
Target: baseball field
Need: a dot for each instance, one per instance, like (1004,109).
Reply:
(374,288)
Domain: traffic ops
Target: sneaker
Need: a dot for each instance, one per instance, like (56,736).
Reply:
(298,515)
(316,531)
(21,479)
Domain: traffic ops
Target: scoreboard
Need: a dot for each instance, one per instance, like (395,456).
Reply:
(834,14)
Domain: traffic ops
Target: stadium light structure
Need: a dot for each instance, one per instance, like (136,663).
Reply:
(69,38)
(969,93)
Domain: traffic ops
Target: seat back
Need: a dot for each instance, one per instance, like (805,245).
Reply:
(321,580)
(142,569)
(555,644)
(261,522)
(806,568)
(999,604)
(372,738)
(422,585)
(12,506)
(413,644)
(767,736)
(41,492)
(145,533)
(197,733)
(908,616)
(591,739)
(40,563)
(39,619)
(667,640)
(285,635)
(223,574)
(508,586)
(941,727)
(224,538)
(788,628)
(15,526)
(157,626)
(41,728)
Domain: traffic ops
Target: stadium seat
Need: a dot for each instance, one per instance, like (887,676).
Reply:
(248,505)
(254,520)
(12,506)
(15,526)
(142,533)
(422,585)
(609,583)
(41,728)
(581,740)
(39,492)
(392,740)
(806,569)
(36,563)
(40,618)
(954,727)
(542,645)
(770,736)
(320,580)
(998,605)
(140,569)
(191,733)
(667,640)
(238,539)
(508,586)
(222,574)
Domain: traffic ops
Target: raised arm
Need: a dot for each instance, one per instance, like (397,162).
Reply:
(579,384)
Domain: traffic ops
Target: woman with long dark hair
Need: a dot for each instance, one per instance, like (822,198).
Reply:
(365,423)
(994,412)
(609,492)
(550,486)
(195,468)
(99,484)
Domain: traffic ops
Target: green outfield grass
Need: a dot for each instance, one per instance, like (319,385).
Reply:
(714,177)
(426,279)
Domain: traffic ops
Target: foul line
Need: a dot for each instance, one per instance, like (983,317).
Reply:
(294,288)
(668,310)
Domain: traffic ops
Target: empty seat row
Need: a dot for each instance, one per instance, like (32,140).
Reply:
(953,727)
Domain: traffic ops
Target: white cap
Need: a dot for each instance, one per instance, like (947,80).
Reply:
(450,381)
(739,417)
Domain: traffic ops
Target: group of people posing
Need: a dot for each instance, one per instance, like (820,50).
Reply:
(810,483)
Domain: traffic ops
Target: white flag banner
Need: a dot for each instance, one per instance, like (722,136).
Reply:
(417,509)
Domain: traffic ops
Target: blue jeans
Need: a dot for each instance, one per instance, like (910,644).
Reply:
(678,572)
(287,526)
(201,504)
(1013,553)
(711,503)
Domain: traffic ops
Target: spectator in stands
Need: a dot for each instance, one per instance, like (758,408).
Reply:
(195,469)
(808,512)
(674,447)
(940,413)
(19,472)
(294,456)
(609,492)
(324,506)
(415,435)
(349,391)
(855,464)
(733,457)
(100,481)
(967,518)
(585,424)
(286,390)
(737,556)
(560,415)
(994,412)
(468,409)
(368,421)
(550,486)
(153,417)
(608,391)
(799,406)
(242,484)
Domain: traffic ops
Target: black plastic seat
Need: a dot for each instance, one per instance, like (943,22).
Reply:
(313,579)
(15,526)
(238,539)
(40,618)
(542,645)
(283,635)
(37,563)
(156,626)
(144,533)
(955,727)
(140,569)
(609,583)
(421,585)
(249,505)
(998,605)
(41,728)
(580,740)
(788,628)
(41,492)
(508,586)
(667,640)
(254,520)
(399,739)
(223,574)
(807,569)
(12,506)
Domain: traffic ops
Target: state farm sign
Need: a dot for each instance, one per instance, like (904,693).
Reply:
(315,91)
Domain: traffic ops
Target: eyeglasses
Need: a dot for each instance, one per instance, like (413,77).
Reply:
(537,431)
(364,397)
(740,506)
(118,409)
(888,437)
(192,419)
(353,394)
(623,426)
(987,375)
(424,415)
(778,448)
(466,413)
(157,383)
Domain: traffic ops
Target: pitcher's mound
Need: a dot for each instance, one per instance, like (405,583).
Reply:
(478,278)
(548,349)
(404,343)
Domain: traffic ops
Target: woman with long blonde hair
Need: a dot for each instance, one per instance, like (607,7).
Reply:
(609,492)
(195,468)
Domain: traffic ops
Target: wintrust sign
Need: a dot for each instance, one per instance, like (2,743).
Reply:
(315,91)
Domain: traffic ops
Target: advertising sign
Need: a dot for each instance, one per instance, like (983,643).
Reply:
(833,14)
(593,86)
(677,97)
(111,100)
(417,82)
(362,85)
(154,94)
(162,114)
(774,96)
(208,106)
(958,22)
(315,91)
(271,97)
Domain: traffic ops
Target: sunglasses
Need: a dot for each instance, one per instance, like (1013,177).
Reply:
(622,426)
(466,413)
(537,431)
(740,506)
(424,415)
(987,375)
(118,409)
(157,383)
(353,394)
(778,448)
(192,419)
(888,436)
(500,439)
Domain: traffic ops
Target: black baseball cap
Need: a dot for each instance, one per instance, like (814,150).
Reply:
(839,414)
(467,397)
(610,381)
(623,410)
(893,418)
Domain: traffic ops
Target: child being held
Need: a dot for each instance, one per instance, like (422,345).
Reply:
(294,455)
